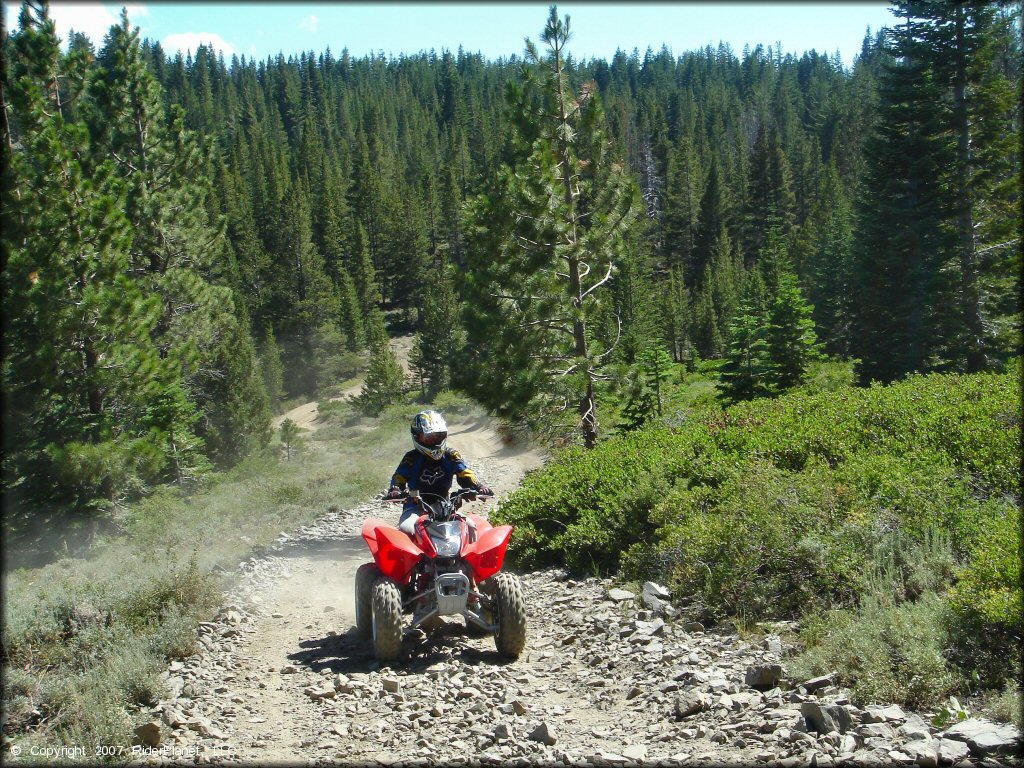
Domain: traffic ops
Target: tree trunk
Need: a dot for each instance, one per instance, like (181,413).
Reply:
(970,299)
(587,407)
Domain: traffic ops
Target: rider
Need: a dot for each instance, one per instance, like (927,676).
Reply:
(429,468)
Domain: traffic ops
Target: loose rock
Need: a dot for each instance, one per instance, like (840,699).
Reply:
(544,733)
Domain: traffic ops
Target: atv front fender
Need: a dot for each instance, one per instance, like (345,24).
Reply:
(487,554)
(392,550)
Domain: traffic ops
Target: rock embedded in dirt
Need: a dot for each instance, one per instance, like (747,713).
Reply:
(635,752)
(983,737)
(544,733)
(621,595)
(763,676)
(826,719)
(689,703)
(815,683)
(655,596)
(952,751)
(878,714)
(149,734)
(914,729)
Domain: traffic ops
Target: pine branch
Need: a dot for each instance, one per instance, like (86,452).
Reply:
(595,286)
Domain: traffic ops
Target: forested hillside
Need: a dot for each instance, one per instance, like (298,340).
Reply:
(188,241)
(607,255)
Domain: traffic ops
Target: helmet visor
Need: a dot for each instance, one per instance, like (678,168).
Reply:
(433,439)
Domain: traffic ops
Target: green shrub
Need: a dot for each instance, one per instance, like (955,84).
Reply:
(883,653)
(914,456)
(987,619)
(903,566)
(1006,706)
(335,411)
(765,543)
(817,500)
(830,375)
(455,404)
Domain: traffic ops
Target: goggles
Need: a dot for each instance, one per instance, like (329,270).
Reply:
(433,439)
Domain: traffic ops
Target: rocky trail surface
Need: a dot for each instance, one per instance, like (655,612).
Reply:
(608,677)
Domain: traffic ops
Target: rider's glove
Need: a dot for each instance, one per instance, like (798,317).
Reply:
(483,490)
(394,492)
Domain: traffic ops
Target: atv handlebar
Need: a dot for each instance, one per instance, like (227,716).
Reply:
(450,504)
(461,493)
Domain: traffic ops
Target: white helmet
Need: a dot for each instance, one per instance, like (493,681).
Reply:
(429,434)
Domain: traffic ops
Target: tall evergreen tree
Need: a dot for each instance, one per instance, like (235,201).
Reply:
(746,373)
(178,250)
(555,227)
(770,201)
(93,411)
(791,339)
(439,338)
(675,317)
(960,43)
(903,296)
(826,264)
(273,376)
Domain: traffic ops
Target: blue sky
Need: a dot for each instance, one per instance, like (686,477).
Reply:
(495,29)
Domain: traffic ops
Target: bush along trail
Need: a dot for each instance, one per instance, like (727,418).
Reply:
(609,676)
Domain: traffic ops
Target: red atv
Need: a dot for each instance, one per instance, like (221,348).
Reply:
(449,567)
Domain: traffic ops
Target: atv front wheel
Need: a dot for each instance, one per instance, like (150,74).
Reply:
(366,575)
(510,610)
(387,619)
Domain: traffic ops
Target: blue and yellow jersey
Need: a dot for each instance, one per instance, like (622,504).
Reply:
(423,474)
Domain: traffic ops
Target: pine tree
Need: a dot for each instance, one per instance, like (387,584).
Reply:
(902,296)
(675,317)
(93,410)
(360,266)
(715,214)
(273,375)
(440,335)
(707,338)
(657,370)
(376,329)
(546,244)
(960,43)
(682,205)
(178,252)
(746,373)
(350,316)
(638,407)
(384,382)
(792,341)
(770,201)
(827,264)
(305,300)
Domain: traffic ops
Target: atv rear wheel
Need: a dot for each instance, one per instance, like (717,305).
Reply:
(510,615)
(387,619)
(366,575)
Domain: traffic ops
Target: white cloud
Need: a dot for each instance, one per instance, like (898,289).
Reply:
(189,41)
(310,23)
(92,19)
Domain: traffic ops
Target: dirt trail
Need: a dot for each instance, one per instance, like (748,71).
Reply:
(608,677)
(306,415)
(244,695)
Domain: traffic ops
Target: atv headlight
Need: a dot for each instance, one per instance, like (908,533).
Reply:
(447,547)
